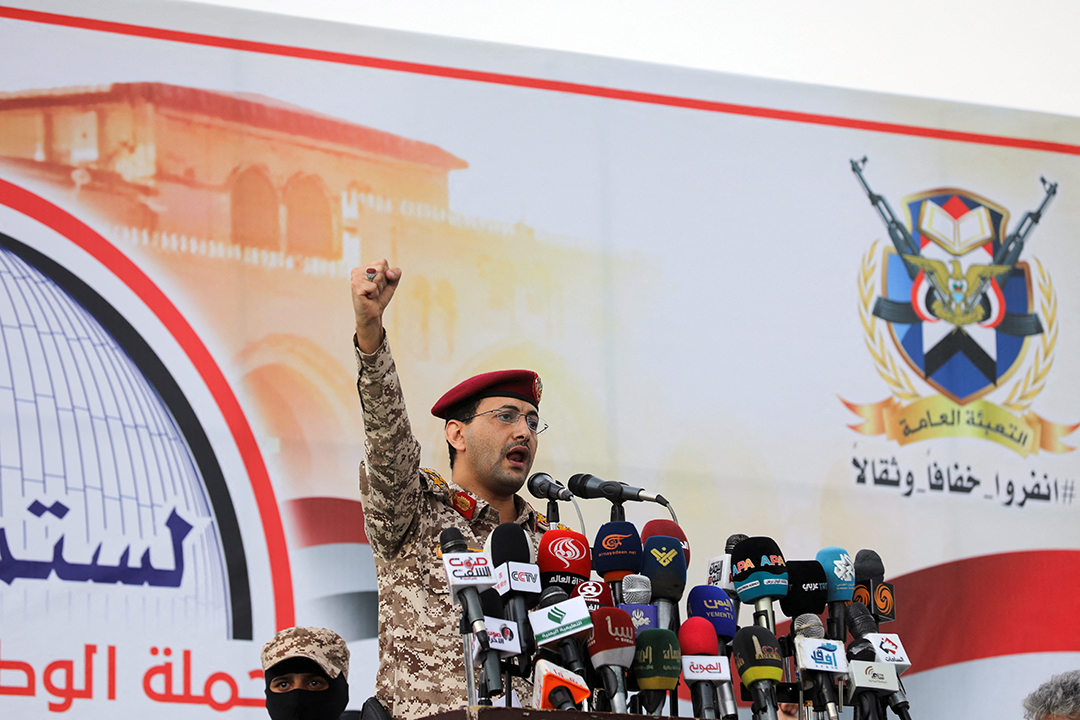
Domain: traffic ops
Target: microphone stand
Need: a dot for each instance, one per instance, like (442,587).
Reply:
(552,512)
(618,513)
(470,675)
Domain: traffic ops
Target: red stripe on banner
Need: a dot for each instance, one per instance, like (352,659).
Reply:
(122,267)
(984,607)
(326,520)
(533,83)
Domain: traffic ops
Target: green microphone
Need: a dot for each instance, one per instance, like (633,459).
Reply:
(657,665)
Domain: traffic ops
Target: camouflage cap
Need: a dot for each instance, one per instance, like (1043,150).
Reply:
(323,646)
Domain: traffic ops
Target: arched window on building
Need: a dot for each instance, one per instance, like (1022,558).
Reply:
(254,207)
(309,220)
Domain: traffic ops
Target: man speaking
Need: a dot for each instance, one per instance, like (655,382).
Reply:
(492,423)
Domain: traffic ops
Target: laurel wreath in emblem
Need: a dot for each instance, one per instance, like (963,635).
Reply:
(899,380)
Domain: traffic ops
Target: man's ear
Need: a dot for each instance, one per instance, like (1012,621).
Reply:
(455,434)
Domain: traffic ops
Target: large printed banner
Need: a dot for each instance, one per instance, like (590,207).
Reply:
(828,317)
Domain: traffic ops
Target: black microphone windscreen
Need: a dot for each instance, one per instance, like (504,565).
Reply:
(452,541)
(551,595)
(860,621)
(732,541)
(509,544)
(868,566)
(808,588)
(491,602)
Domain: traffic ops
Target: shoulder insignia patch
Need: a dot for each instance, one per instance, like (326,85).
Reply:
(464,504)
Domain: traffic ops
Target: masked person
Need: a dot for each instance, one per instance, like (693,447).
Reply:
(307,674)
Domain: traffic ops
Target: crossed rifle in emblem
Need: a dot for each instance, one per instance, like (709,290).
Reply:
(959,295)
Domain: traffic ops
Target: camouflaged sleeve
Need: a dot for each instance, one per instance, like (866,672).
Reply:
(389,478)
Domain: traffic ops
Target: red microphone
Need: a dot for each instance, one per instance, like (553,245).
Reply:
(611,649)
(597,594)
(703,668)
(667,528)
(564,559)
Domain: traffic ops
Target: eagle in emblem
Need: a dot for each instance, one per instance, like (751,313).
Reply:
(958,293)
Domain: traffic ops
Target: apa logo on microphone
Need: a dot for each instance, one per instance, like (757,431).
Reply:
(772,560)
(568,549)
(664,558)
(613,542)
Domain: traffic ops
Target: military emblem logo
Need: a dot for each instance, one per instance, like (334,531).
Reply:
(952,304)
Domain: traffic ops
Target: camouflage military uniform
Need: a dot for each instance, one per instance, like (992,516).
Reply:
(421,668)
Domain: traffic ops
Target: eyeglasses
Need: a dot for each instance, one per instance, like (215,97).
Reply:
(510,417)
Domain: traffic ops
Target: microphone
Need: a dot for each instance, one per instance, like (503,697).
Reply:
(702,665)
(727,583)
(544,487)
(670,528)
(760,576)
(589,486)
(637,592)
(870,586)
(657,664)
(888,650)
(807,588)
(564,559)
(558,619)
(713,604)
(815,658)
(467,574)
(597,594)
(617,553)
(757,658)
(611,651)
(664,563)
(518,581)
(840,573)
(502,641)
(556,688)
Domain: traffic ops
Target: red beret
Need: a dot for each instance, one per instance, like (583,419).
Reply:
(520,384)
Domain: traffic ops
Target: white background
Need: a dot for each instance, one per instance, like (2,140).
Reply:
(996,52)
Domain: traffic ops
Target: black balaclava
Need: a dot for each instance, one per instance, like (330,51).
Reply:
(306,704)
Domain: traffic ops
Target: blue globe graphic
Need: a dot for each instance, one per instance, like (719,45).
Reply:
(105,518)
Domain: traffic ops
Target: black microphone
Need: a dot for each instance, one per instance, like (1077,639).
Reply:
(491,676)
(453,541)
(589,486)
(545,487)
(509,544)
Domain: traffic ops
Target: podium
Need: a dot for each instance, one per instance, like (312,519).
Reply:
(483,712)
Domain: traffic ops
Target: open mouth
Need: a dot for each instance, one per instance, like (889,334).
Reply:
(518,456)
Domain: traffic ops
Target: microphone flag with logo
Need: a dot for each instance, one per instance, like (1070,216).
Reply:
(657,665)
(611,649)
(713,604)
(664,563)
(617,553)
(663,526)
(840,574)
(807,588)
(564,559)
(597,594)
